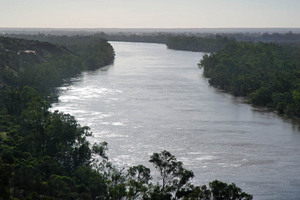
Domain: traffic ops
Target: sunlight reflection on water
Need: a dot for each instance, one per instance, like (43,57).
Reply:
(153,99)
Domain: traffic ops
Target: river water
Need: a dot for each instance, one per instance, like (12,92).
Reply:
(153,98)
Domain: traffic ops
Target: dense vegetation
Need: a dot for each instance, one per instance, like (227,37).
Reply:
(201,41)
(67,40)
(44,66)
(212,42)
(16,56)
(46,155)
(292,39)
(267,74)
(201,44)
(135,37)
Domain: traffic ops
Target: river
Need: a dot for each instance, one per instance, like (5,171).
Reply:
(153,98)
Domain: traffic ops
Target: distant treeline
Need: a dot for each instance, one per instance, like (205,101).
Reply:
(160,38)
(267,74)
(77,39)
(45,155)
(206,42)
(212,43)
(200,44)
(289,38)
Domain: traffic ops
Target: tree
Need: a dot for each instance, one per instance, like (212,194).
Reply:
(138,182)
(267,74)
(223,191)
(174,176)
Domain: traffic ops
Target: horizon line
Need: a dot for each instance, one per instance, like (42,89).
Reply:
(149,28)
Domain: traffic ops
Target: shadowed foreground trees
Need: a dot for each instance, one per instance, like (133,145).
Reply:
(45,155)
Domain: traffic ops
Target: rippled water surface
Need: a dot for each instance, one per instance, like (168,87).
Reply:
(153,98)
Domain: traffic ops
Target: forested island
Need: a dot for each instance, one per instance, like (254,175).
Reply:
(46,155)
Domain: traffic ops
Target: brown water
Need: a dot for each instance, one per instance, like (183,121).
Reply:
(154,98)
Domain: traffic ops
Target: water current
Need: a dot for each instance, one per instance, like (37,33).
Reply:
(153,98)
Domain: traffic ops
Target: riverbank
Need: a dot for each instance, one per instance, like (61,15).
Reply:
(46,155)
(153,98)
(267,74)
(43,154)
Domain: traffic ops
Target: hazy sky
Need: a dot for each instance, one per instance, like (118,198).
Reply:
(150,13)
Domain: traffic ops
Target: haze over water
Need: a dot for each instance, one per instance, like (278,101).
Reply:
(153,98)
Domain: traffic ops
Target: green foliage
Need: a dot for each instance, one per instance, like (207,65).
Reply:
(44,77)
(289,38)
(223,191)
(173,175)
(80,40)
(44,66)
(267,74)
(16,55)
(44,154)
(138,182)
(42,151)
(201,44)
(100,149)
